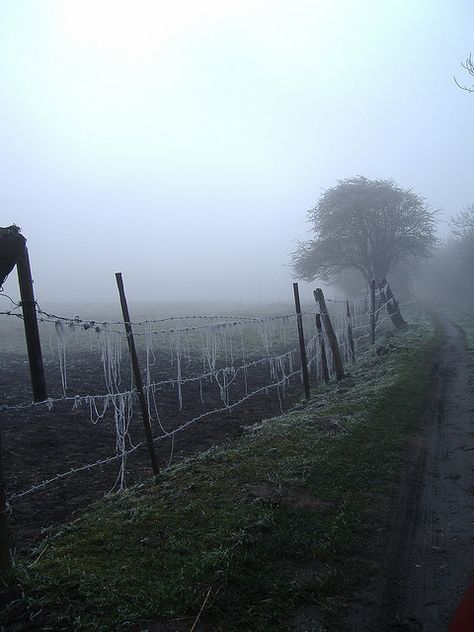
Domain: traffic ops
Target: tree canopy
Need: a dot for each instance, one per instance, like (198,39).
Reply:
(462,240)
(462,226)
(367,225)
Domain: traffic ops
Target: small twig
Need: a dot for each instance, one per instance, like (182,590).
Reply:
(463,87)
(469,66)
(172,451)
(39,556)
(200,611)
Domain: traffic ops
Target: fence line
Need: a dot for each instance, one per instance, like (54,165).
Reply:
(79,399)
(214,373)
(215,342)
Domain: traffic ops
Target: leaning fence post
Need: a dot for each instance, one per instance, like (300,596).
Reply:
(136,373)
(372,311)
(5,560)
(33,344)
(331,334)
(349,331)
(322,346)
(304,361)
(392,305)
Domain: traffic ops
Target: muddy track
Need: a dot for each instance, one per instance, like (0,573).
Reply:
(430,558)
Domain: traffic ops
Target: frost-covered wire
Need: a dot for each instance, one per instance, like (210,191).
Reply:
(170,434)
(77,321)
(3,295)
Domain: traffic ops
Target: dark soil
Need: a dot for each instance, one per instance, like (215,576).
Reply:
(38,444)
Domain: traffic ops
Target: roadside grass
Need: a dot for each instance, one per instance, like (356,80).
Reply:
(464,316)
(290,515)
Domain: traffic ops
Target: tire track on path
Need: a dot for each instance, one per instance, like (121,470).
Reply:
(430,559)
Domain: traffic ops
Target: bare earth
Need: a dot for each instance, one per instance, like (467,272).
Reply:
(430,558)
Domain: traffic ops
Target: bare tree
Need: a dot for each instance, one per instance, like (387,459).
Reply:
(452,266)
(462,226)
(462,232)
(469,66)
(367,225)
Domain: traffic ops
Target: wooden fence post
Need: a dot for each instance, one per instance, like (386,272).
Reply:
(322,346)
(33,344)
(304,361)
(136,374)
(372,311)
(5,560)
(349,332)
(331,334)
(392,305)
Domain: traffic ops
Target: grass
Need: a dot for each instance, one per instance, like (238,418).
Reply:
(464,316)
(291,515)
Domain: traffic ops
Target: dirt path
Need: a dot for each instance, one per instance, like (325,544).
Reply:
(430,560)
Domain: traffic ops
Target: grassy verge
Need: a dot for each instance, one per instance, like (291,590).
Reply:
(292,515)
(464,316)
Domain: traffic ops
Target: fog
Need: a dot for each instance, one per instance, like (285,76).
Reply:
(182,143)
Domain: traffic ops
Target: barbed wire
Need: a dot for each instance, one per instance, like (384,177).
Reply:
(77,321)
(224,322)
(77,401)
(4,295)
(104,326)
(104,461)
(365,297)
(70,472)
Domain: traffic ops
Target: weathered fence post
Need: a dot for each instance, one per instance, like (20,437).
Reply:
(322,346)
(372,311)
(304,361)
(349,331)
(331,334)
(33,344)
(13,251)
(5,560)
(392,305)
(136,374)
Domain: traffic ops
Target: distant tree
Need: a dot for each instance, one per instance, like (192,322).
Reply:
(469,66)
(366,225)
(462,236)
(462,225)
(447,276)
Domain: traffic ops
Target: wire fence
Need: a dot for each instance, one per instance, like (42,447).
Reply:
(238,358)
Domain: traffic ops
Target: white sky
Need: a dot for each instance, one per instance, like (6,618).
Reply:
(183,142)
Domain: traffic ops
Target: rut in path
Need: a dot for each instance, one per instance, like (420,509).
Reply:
(430,561)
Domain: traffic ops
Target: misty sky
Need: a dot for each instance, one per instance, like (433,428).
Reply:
(182,142)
